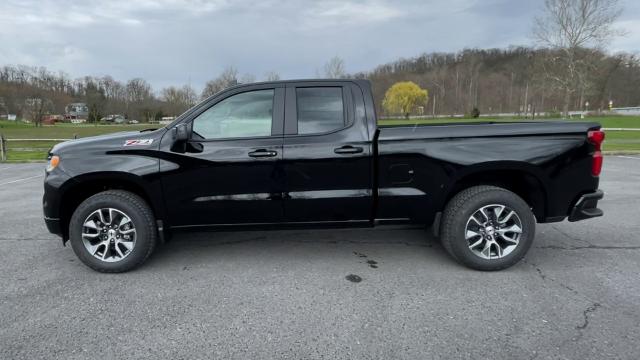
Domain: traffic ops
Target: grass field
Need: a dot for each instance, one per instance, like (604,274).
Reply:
(18,151)
(12,130)
(607,122)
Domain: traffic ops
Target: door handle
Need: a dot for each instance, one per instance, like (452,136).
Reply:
(348,149)
(262,153)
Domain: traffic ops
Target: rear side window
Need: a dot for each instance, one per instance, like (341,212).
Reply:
(320,109)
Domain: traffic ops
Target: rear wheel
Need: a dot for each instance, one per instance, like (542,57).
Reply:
(487,228)
(113,231)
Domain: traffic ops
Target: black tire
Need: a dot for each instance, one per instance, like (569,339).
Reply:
(141,216)
(459,211)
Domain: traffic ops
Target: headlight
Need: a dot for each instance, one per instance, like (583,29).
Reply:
(53,162)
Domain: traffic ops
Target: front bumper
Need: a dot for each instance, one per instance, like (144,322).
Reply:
(53,225)
(587,206)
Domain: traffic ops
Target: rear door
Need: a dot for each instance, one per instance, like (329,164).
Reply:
(326,153)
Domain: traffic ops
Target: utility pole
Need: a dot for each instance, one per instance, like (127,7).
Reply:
(433,112)
(509,107)
(435,96)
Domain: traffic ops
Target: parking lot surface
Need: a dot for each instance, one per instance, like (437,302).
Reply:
(336,294)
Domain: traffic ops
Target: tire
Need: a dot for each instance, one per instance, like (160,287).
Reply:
(497,244)
(130,228)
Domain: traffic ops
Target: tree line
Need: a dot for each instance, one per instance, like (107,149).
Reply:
(513,80)
(31,92)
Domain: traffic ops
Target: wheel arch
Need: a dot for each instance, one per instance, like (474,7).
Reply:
(84,186)
(523,179)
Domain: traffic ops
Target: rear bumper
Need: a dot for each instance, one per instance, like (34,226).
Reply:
(587,206)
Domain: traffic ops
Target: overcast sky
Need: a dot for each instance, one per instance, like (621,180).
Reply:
(172,42)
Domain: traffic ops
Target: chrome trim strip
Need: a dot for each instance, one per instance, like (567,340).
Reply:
(400,191)
(234,197)
(329,194)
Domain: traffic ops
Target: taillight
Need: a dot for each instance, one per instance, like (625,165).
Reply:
(596,137)
(596,164)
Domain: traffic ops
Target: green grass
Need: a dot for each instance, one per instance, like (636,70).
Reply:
(615,140)
(606,121)
(14,130)
(621,140)
(28,150)
(37,150)
(617,121)
(24,156)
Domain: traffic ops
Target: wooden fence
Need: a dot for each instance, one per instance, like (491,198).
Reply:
(5,148)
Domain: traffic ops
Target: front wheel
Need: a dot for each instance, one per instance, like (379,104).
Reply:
(487,228)
(113,231)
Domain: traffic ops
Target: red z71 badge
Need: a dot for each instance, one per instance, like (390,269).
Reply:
(138,142)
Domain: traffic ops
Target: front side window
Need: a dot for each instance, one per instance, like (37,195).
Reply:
(320,109)
(247,114)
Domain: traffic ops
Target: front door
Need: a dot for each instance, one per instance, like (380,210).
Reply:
(231,170)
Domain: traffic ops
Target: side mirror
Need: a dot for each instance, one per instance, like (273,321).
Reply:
(180,137)
(181,132)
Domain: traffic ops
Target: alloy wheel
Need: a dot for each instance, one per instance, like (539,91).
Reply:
(108,234)
(493,231)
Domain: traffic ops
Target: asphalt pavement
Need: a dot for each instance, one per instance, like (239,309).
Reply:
(386,293)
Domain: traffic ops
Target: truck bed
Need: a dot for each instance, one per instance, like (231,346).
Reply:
(550,158)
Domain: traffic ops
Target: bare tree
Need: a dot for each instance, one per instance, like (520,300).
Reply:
(247,79)
(178,99)
(139,99)
(138,90)
(37,106)
(271,76)
(229,77)
(569,26)
(95,100)
(334,68)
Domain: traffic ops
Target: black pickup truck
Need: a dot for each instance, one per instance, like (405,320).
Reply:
(309,153)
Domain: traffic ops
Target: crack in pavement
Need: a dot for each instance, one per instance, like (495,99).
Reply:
(569,236)
(544,277)
(590,246)
(580,328)
(597,304)
(592,308)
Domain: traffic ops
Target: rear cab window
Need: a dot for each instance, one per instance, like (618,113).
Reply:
(320,109)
